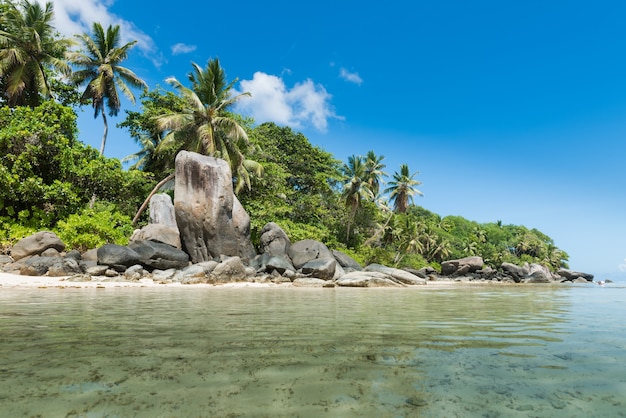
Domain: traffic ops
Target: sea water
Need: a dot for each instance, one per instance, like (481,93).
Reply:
(469,351)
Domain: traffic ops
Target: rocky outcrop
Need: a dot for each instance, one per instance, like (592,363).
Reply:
(461,266)
(348,263)
(320,268)
(118,257)
(574,275)
(158,233)
(366,279)
(211,220)
(36,244)
(162,211)
(302,252)
(157,255)
(274,241)
(398,275)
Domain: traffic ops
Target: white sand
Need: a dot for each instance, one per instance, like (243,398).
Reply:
(8,280)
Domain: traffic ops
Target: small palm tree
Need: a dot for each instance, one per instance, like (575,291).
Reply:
(402,189)
(356,187)
(100,68)
(29,50)
(374,171)
(205,125)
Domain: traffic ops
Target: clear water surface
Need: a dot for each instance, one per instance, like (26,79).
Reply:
(501,351)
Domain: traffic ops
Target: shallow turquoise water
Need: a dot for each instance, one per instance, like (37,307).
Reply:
(502,351)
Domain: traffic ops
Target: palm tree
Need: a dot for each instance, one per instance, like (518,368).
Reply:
(402,188)
(100,68)
(356,187)
(29,50)
(374,171)
(205,126)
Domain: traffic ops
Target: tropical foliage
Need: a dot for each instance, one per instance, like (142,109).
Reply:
(29,51)
(48,176)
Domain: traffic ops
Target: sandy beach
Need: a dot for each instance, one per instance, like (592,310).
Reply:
(8,280)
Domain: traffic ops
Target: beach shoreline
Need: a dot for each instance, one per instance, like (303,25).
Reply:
(16,281)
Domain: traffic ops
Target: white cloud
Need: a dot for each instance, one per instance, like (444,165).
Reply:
(181,48)
(351,77)
(77,16)
(306,103)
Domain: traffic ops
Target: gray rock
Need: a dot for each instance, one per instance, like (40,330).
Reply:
(302,252)
(402,276)
(160,256)
(339,271)
(38,265)
(517,273)
(50,252)
(573,275)
(74,254)
(229,270)
(366,279)
(321,268)
(346,261)
(539,274)
(461,266)
(64,267)
(97,270)
(280,264)
(90,255)
(162,211)
(5,259)
(36,244)
(210,218)
(274,241)
(159,233)
(309,282)
(163,275)
(117,255)
(134,273)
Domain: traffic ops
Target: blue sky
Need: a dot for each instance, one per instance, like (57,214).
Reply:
(512,111)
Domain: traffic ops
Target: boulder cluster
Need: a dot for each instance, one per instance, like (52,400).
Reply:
(204,237)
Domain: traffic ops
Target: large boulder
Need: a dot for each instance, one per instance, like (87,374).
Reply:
(320,268)
(573,275)
(461,266)
(401,276)
(211,220)
(274,241)
(162,210)
(159,233)
(279,264)
(231,269)
(302,252)
(517,273)
(117,255)
(157,255)
(347,262)
(366,279)
(36,244)
(539,274)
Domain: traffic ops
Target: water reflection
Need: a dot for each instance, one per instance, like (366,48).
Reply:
(301,352)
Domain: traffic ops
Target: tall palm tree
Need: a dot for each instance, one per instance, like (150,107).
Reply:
(100,68)
(356,187)
(374,170)
(205,125)
(402,188)
(29,51)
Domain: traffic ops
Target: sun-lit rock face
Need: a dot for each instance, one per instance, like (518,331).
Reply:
(211,220)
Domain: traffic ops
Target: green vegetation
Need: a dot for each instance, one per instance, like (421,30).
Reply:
(48,177)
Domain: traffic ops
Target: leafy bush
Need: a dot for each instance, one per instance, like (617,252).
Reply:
(11,232)
(92,228)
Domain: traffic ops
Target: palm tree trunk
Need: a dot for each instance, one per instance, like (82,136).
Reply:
(106,131)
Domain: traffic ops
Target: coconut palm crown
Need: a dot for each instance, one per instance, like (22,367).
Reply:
(29,51)
(100,68)
(402,189)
